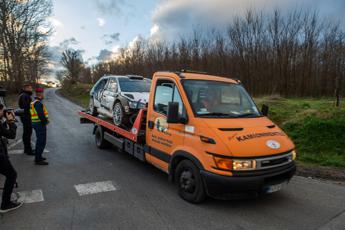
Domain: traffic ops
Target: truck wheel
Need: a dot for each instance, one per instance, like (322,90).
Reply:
(119,116)
(189,182)
(92,107)
(101,143)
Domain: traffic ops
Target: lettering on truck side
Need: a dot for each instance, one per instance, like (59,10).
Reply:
(258,135)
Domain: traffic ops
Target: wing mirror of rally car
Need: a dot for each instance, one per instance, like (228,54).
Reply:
(264,110)
(173,116)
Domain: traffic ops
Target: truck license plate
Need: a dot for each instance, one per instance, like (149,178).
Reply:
(276,187)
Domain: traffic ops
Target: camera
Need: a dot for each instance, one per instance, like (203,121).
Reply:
(17,112)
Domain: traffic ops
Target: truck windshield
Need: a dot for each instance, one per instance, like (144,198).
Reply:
(128,85)
(216,99)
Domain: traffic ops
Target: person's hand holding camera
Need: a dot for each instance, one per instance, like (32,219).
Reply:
(10,117)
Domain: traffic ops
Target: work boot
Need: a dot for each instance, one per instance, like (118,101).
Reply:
(41,162)
(10,207)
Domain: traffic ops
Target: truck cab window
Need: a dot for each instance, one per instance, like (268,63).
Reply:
(166,91)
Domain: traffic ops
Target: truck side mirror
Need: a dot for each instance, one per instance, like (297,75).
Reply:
(264,110)
(172,115)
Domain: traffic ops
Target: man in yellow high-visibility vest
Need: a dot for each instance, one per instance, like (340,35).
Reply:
(40,120)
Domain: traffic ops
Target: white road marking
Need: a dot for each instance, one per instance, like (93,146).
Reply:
(14,144)
(96,187)
(29,197)
(16,151)
(21,151)
(45,150)
(337,222)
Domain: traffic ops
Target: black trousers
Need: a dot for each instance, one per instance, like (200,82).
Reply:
(27,133)
(10,173)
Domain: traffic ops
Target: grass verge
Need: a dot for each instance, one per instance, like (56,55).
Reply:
(78,93)
(315,125)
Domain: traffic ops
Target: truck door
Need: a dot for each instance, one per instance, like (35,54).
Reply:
(163,138)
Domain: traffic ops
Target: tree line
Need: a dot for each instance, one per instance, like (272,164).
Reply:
(24,31)
(291,54)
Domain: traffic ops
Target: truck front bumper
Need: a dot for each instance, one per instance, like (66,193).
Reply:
(246,183)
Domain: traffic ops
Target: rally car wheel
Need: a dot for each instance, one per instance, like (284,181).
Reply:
(92,107)
(119,116)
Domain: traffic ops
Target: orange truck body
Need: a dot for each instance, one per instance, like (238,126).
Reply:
(233,156)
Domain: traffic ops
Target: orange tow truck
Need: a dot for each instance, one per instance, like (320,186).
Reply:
(207,134)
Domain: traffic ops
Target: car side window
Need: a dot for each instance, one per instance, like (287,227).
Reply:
(100,86)
(166,91)
(112,86)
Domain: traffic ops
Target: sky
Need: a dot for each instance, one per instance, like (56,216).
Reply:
(100,27)
(96,25)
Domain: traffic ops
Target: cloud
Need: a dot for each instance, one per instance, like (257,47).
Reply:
(101,22)
(111,38)
(154,30)
(55,22)
(175,18)
(67,43)
(110,7)
(105,55)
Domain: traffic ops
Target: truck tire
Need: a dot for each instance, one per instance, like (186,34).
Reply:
(189,182)
(101,143)
(92,108)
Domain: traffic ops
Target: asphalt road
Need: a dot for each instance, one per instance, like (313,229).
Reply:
(139,196)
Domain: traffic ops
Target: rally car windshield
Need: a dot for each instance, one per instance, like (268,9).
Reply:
(218,99)
(128,85)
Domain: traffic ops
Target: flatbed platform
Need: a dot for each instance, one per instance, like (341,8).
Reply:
(125,140)
(131,134)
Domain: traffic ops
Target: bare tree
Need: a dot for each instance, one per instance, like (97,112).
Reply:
(73,63)
(24,31)
(293,54)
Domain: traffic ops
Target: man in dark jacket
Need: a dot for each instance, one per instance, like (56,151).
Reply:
(24,103)
(7,130)
(39,118)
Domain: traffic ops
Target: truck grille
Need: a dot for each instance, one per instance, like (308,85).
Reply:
(274,161)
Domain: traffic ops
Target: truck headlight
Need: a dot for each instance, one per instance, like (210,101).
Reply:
(223,163)
(232,164)
(294,155)
(241,165)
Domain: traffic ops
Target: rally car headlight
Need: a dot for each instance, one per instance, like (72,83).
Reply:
(141,105)
(136,105)
(133,104)
(244,165)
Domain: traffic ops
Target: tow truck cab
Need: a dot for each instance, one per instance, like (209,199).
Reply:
(209,136)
